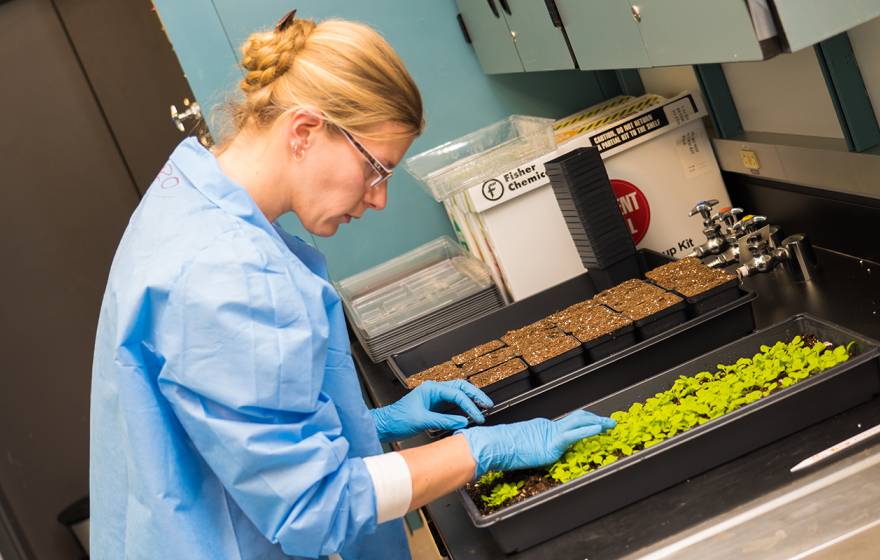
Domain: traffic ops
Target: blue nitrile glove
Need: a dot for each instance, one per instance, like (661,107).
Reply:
(533,443)
(413,413)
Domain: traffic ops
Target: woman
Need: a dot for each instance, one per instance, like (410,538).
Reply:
(227,420)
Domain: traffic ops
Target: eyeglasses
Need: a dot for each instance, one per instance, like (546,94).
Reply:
(381,172)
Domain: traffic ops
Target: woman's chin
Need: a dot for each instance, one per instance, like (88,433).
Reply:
(324,230)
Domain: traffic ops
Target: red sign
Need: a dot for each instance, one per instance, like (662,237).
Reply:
(634,207)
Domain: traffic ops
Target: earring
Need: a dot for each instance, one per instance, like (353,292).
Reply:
(298,152)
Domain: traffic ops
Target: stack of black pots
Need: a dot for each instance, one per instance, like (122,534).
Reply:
(590,209)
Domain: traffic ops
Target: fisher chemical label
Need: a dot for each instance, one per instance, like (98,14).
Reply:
(635,208)
(513,183)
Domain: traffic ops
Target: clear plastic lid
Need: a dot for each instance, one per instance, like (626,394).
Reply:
(411,286)
(475,157)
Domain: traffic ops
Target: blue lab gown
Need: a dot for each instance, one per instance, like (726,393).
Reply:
(227,421)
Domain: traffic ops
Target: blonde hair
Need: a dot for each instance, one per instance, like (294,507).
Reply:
(346,70)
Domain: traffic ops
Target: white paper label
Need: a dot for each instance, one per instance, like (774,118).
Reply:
(681,111)
(693,152)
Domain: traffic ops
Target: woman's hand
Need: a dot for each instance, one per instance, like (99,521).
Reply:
(414,412)
(533,443)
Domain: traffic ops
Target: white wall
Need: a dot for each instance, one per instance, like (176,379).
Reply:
(669,80)
(786,94)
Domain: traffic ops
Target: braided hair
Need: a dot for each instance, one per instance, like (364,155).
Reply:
(345,69)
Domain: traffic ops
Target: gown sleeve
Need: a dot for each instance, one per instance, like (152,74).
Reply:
(244,365)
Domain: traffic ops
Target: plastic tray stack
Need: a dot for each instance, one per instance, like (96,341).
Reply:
(411,298)
(586,199)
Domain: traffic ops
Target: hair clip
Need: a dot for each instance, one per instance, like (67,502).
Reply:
(285,22)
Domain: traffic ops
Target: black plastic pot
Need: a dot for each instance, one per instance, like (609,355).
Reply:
(509,387)
(597,379)
(662,321)
(632,478)
(559,365)
(607,275)
(608,344)
(710,299)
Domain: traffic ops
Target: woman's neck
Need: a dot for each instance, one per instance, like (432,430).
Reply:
(248,160)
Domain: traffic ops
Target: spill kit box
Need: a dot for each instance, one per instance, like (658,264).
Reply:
(658,156)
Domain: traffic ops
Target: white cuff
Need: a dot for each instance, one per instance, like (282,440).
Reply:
(392,483)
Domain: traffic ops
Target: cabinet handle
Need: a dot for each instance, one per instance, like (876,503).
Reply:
(637,13)
(554,13)
(506,7)
(494,8)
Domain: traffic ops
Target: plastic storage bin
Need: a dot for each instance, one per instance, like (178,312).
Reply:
(413,296)
(467,161)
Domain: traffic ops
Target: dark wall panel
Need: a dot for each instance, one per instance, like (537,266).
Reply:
(840,222)
(135,75)
(65,199)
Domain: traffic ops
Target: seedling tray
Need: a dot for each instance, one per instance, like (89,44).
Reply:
(597,379)
(633,478)
(559,365)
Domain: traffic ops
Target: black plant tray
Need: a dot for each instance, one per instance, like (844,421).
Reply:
(608,344)
(662,321)
(558,366)
(597,379)
(710,299)
(702,448)
(613,274)
(509,387)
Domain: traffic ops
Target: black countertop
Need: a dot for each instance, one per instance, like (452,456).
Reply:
(845,291)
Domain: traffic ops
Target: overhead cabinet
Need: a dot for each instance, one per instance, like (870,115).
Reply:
(613,34)
(515,36)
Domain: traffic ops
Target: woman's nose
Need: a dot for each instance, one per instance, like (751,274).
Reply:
(377,197)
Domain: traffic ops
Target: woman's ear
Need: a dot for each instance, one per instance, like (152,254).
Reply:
(302,127)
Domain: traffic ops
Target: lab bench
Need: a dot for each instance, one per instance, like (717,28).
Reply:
(736,494)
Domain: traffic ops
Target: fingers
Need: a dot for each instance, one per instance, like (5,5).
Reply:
(572,436)
(581,418)
(472,391)
(450,393)
(437,421)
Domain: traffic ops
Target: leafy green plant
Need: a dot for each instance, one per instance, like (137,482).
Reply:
(489,478)
(503,492)
(690,402)
(694,400)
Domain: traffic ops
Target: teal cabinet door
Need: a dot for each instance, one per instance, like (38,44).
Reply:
(603,34)
(807,22)
(541,45)
(697,31)
(490,36)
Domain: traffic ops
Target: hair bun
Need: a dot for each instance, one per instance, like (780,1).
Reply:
(268,55)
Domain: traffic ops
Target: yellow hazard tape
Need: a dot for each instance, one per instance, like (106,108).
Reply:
(571,120)
(598,123)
